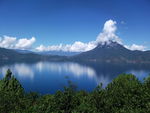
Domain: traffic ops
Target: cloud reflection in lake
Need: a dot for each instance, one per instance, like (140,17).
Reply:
(42,76)
(21,70)
(69,67)
(24,70)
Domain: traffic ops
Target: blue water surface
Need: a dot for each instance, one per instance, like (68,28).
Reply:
(48,77)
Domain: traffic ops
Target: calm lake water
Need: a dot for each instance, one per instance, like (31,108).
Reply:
(48,77)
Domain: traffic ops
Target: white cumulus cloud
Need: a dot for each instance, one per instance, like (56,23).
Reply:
(14,43)
(108,34)
(7,42)
(75,47)
(136,47)
(25,43)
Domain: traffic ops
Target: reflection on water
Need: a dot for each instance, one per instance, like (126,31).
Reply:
(74,68)
(26,70)
(47,77)
(22,70)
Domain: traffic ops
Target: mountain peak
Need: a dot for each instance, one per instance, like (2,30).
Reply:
(106,52)
(109,44)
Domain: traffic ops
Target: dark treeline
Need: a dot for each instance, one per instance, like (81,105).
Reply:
(125,94)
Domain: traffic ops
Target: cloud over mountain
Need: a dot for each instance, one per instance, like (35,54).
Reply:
(108,34)
(25,43)
(7,42)
(14,43)
(75,47)
(135,47)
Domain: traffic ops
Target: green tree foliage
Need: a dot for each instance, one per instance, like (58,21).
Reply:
(8,74)
(125,94)
(11,93)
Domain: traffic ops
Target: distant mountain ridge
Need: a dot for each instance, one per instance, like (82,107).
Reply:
(9,55)
(60,53)
(23,51)
(113,52)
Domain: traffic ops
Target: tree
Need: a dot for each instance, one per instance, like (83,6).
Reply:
(8,74)
(11,93)
(124,93)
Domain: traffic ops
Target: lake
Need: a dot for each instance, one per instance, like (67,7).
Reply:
(48,77)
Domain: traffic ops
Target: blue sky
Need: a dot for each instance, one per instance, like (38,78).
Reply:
(54,22)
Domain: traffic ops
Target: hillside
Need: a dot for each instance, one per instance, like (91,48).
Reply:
(113,52)
(9,55)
